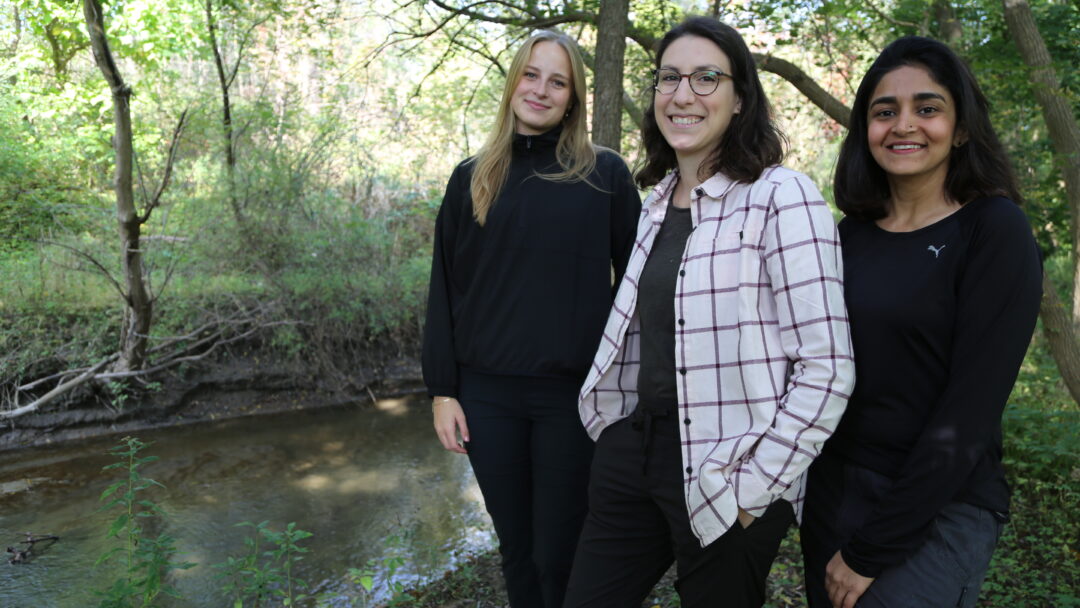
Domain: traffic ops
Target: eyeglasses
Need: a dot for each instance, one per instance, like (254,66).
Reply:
(703,82)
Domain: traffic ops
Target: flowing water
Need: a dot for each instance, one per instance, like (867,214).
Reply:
(370,484)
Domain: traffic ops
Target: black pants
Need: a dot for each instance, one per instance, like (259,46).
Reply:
(638,524)
(531,456)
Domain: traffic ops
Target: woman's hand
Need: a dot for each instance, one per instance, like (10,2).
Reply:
(845,586)
(449,422)
(745,519)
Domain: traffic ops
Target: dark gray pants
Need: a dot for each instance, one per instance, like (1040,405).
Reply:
(946,571)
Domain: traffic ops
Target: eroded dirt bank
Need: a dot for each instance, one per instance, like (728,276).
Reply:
(226,389)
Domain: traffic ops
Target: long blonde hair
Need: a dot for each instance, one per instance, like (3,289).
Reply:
(575,152)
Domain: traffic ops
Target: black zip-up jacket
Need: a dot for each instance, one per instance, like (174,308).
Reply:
(528,293)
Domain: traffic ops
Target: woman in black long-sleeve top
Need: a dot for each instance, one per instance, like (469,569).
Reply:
(526,241)
(942,282)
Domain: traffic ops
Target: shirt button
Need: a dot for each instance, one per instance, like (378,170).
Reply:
(682,370)
(699,192)
(682,321)
(682,273)
(689,469)
(686,421)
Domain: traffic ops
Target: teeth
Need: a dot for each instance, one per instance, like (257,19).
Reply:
(685,120)
(906,147)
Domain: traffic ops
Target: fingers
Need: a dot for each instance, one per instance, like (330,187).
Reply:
(463,426)
(449,420)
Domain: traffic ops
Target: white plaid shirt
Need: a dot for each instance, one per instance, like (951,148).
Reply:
(762,349)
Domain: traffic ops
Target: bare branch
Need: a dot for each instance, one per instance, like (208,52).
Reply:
(245,39)
(56,392)
(889,18)
(821,98)
(170,160)
(187,359)
(93,261)
(534,21)
(66,373)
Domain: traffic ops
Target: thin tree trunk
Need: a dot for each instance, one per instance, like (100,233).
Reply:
(949,29)
(1060,322)
(226,112)
(608,73)
(138,311)
(1061,332)
(18,30)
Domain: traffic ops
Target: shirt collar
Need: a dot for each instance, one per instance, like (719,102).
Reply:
(661,190)
(714,188)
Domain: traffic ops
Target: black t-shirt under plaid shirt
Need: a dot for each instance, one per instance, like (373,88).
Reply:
(656,306)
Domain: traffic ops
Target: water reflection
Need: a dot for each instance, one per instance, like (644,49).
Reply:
(365,481)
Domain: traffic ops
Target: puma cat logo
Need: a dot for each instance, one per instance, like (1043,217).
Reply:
(936,250)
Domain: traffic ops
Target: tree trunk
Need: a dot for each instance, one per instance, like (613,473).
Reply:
(1061,332)
(1060,323)
(138,311)
(949,29)
(608,73)
(17,18)
(225,83)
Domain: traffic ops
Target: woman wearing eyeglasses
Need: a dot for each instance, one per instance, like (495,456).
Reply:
(525,242)
(726,360)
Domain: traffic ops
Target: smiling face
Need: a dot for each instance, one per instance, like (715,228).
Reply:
(693,124)
(543,92)
(911,127)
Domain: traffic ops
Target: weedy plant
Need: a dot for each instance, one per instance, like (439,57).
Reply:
(381,576)
(263,576)
(145,561)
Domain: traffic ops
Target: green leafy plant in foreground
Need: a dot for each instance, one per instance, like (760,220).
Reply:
(381,574)
(145,561)
(262,575)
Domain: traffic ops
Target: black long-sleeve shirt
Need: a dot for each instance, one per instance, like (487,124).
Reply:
(940,320)
(528,293)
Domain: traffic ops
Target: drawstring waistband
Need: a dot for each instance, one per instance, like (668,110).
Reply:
(642,420)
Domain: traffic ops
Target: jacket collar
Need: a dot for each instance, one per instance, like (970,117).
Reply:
(547,139)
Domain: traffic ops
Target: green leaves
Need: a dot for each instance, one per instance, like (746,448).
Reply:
(261,575)
(145,560)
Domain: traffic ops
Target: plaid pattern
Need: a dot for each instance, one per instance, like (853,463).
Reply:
(762,349)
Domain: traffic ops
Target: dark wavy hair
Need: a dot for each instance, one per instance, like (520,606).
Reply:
(978,167)
(751,141)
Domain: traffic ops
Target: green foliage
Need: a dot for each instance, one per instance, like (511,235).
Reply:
(1037,562)
(41,336)
(264,576)
(1038,558)
(382,576)
(35,188)
(145,561)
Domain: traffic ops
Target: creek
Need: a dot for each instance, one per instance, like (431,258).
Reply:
(369,483)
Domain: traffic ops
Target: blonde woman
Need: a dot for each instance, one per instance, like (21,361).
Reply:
(525,242)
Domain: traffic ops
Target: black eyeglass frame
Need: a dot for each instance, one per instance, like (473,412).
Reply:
(690,78)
